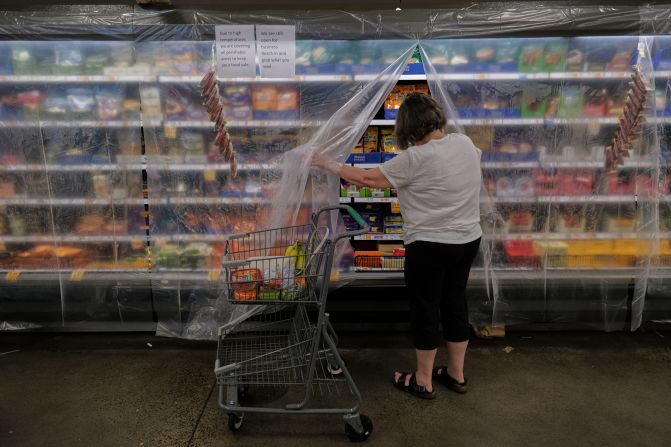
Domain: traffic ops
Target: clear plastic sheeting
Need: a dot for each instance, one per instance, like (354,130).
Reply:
(71,203)
(275,126)
(544,111)
(114,205)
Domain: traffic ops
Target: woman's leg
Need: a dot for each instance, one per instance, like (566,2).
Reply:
(425,360)
(456,355)
(454,310)
(424,270)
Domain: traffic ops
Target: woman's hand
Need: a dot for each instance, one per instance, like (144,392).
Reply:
(319,161)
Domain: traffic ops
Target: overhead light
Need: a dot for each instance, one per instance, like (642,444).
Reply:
(398,8)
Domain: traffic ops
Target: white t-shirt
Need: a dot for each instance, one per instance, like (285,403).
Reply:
(438,187)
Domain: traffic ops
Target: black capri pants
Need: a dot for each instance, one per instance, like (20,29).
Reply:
(435,276)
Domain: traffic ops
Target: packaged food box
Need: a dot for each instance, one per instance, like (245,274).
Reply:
(398,94)
(590,247)
(68,59)
(269,292)
(520,253)
(554,56)
(387,141)
(520,221)
(535,100)
(236,101)
(595,102)
(370,140)
(358,149)
(368,259)
(571,221)
(632,247)
(600,261)
(393,262)
(571,101)
(294,292)
(23,60)
(552,253)
(531,58)
(415,65)
(622,182)
(246,279)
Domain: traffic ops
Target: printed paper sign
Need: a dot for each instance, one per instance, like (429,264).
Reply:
(235,51)
(276,48)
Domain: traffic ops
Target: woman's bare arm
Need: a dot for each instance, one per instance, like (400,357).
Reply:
(373,178)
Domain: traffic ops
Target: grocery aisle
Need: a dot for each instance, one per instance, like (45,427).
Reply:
(551,389)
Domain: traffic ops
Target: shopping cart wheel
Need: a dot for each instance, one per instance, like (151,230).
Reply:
(354,435)
(334,370)
(234,422)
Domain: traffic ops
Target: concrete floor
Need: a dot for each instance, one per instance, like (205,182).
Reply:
(553,389)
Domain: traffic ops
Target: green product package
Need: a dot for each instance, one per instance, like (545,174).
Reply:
(554,58)
(293,293)
(269,293)
(531,59)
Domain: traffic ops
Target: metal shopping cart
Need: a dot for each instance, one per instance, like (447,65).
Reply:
(284,346)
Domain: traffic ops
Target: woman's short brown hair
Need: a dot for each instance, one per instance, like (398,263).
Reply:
(418,116)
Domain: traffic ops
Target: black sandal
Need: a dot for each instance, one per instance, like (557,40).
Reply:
(440,375)
(413,388)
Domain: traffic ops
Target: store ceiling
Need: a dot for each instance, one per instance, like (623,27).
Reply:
(348,5)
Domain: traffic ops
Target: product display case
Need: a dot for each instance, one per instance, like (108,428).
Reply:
(115,204)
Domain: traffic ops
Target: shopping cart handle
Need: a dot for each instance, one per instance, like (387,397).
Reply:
(363,226)
(235,263)
(229,237)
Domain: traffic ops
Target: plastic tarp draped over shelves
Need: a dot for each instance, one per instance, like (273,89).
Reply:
(87,91)
(580,236)
(71,207)
(280,125)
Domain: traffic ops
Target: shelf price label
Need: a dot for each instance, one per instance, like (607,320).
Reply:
(209,175)
(77,275)
(13,276)
(170,132)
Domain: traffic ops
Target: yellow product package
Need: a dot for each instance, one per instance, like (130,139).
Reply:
(370,140)
(388,144)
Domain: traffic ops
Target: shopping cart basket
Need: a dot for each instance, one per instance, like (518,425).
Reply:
(285,343)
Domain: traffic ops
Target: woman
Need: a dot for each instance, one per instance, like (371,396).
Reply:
(438,180)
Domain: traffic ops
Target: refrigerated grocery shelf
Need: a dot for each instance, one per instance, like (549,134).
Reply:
(320,77)
(577,236)
(79,202)
(530,199)
(241,124)
(217,201)
(65,168)
(153,165)
(478,276)
(570,199)
(375,199)
(298,78)
(213,167)
(80,79)
(70,124)
(549,164)
(83,275)
(379,237)
(165,166)
(73,238)
(519,121)
(536,236)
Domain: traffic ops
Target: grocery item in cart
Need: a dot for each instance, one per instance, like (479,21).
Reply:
(245,283)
